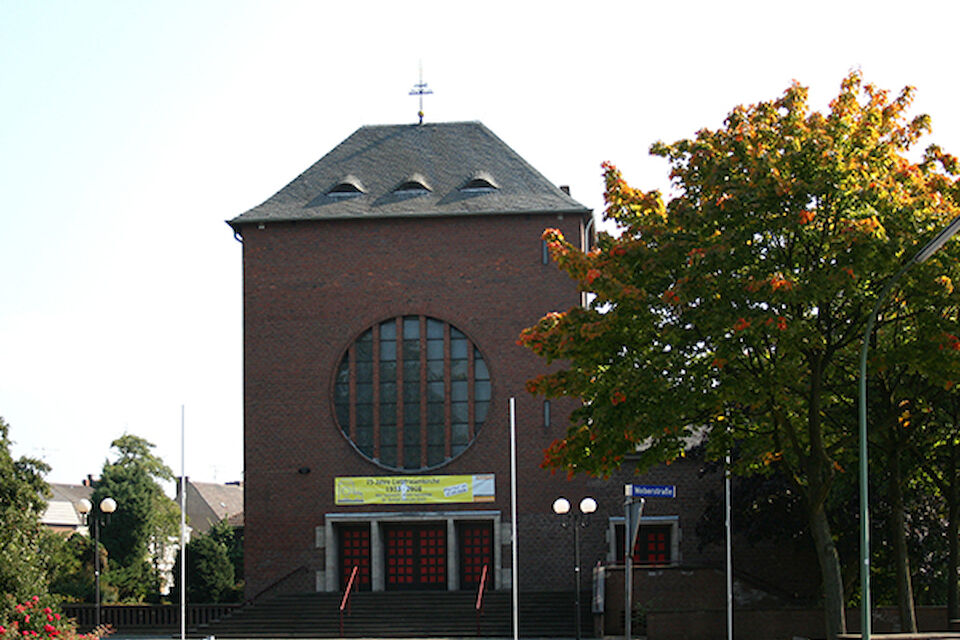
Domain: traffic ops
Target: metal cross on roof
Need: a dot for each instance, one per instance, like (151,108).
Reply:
(420,89)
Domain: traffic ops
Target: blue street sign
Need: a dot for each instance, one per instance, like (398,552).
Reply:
(652,490)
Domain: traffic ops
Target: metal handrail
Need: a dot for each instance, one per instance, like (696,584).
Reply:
(345,601)
(276,583)
(480,589)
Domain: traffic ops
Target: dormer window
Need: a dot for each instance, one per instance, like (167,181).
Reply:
(479,183)
(414,185)
(348,187)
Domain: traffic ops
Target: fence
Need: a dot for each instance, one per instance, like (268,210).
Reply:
(146,616)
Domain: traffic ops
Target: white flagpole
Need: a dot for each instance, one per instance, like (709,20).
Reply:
(513,517)
(729,536)
(183,529)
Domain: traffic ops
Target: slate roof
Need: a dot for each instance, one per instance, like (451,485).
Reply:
(209,503)
(444,157)
(224,499)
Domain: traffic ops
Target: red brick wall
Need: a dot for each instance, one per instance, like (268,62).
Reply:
(311,288)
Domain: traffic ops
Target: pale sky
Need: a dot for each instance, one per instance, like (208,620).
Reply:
(130,131)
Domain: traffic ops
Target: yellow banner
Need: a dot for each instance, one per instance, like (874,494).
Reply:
(414,489)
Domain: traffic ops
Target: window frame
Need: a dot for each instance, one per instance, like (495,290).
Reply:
(615,552)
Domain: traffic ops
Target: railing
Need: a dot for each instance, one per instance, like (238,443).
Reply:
(146,616)
(480,589)
(280,584)
(345,602)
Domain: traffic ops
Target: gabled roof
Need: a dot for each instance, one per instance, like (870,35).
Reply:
(62,506)
(446,156)
(224,499)
(209,503)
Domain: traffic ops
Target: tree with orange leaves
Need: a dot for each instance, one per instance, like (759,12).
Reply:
(735,309)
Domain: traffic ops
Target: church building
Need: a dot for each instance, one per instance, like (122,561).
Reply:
(383,293)
(384,290)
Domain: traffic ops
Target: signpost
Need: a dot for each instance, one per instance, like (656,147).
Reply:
(635,497)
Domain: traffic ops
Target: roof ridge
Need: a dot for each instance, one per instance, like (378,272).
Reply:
(416,125)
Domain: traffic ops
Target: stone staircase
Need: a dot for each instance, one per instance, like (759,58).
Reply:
(402,614)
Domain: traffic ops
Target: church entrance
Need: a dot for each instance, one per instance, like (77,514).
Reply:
(440,550)
(415,556)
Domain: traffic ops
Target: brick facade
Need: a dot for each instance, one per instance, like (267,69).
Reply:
(310,288)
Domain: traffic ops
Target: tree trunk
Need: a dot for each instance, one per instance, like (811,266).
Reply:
(833,608)
(898,536)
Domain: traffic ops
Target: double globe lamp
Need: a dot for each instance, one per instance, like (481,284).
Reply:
(561,507)
(105,508)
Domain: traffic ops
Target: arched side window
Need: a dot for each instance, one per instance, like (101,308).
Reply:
(412,393)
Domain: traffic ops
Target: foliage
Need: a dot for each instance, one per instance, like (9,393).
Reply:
(231,538)
(735,310)
(210,571)
(37,617)
(73,577)
(764,508)
(22,492)
(139,532)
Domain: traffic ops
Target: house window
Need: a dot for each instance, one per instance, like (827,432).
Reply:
(412,393)
(657,541)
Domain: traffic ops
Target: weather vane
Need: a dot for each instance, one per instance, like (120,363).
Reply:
(420,89)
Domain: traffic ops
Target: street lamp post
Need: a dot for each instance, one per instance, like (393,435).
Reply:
(104,509)
(928,250)
(561,507)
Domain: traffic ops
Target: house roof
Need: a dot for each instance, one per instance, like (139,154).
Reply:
(363,175)
(62,506)
(209,503)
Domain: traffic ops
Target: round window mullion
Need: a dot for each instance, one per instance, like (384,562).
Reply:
(412,392)
(424,431)
(401,401)
(408,395)
(391,337)
(472,393)
(447,440)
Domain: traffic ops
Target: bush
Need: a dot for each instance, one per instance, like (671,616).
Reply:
(39,618)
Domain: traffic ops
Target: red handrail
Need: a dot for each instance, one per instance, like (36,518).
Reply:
(483,580)
(345,602)
(480,588)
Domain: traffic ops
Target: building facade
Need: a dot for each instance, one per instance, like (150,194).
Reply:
(384,290)
(383,293)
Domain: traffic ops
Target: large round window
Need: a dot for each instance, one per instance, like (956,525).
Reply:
(412,393)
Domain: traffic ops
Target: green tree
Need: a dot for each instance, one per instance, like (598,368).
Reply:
(72,560)
(138,534)
(23,570)
(736,309)
(211,576)
(940,463)
(232,539)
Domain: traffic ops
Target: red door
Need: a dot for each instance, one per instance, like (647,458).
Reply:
(355,552)
(415,556)
(476,551)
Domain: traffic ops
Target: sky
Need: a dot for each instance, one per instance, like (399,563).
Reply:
(131,131)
